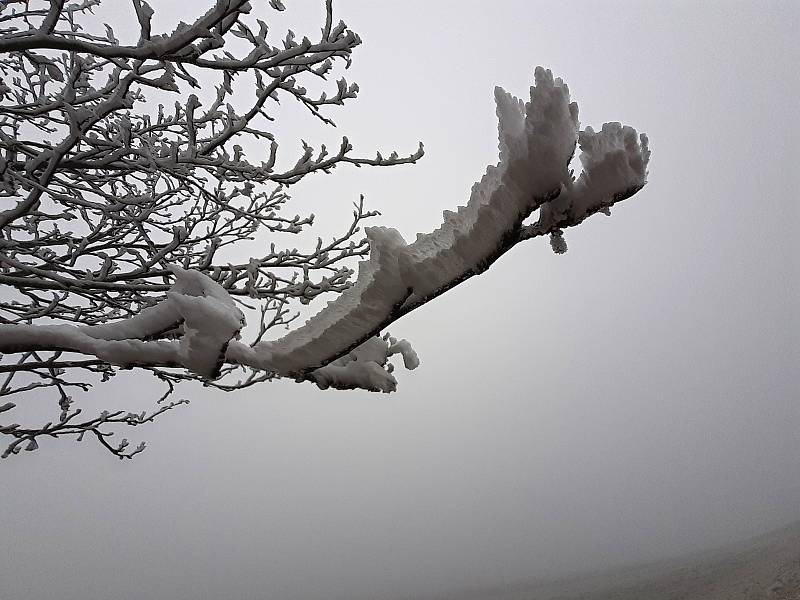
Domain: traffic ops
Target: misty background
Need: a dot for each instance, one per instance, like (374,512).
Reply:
(635,398)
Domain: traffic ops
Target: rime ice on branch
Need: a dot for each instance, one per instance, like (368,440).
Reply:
(537,141)
(111,245)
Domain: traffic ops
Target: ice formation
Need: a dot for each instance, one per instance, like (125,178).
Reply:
(537,140)
(207,313)
(339,346)
(536,143)
(614,163)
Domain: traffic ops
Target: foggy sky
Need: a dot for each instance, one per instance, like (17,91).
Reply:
(637,397)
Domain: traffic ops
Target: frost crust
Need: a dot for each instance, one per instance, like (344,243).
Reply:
(339,347)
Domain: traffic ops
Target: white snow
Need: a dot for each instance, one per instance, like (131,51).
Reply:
(614,160)
(355,374)
(209,315)
(614,165)
(536,142)
(403,347)
(348,318)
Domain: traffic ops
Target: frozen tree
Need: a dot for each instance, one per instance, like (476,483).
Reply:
(119,215)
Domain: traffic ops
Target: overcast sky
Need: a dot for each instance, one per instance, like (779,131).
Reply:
(634,398)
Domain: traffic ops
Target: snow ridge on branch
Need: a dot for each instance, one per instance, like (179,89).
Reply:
(193,331)
(339,347)
(537,141)
(206,313)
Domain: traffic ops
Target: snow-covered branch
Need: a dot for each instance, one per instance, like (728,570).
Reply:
(114,247)
(204,312)
(537,141)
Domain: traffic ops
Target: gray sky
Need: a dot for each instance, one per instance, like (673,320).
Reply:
(634,398)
